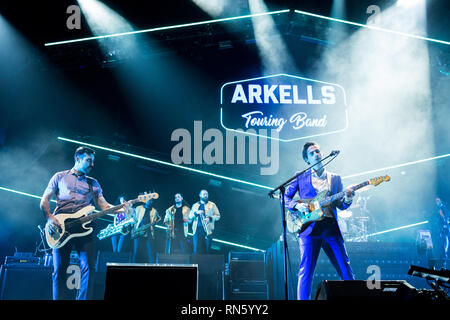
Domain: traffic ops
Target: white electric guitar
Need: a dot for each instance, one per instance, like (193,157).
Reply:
(75,224)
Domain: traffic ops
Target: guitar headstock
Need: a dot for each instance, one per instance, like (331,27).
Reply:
(147,196)
(376,181)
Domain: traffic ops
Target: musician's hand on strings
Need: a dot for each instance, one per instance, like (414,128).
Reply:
(349,194)
(302,207)
(53,224)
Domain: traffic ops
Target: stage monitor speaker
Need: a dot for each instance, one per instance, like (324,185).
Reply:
(360,290)
(172,258)
(209,263)
(26,282)
(103,257)
(142,281)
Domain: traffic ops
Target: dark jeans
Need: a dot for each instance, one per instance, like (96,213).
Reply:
(117,242)
(61,260)
(324,235)
(149,243)
(180,239)
(201,242)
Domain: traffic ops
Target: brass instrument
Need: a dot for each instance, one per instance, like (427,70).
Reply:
(206,223)
(111,230)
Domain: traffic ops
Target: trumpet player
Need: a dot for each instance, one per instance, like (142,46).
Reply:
(176,220)
(203,215)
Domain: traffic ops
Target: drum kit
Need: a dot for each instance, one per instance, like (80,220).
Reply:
(354,224)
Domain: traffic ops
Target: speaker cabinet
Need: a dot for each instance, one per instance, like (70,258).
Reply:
(26,282)
(247,290)
(103,257)
(211,268)
(360,290)
(173,258)
(141,281)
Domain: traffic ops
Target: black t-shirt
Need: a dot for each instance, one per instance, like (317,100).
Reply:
(178,216)
(200,221)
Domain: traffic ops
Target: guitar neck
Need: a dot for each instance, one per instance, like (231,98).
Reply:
(339,195)
(105,212)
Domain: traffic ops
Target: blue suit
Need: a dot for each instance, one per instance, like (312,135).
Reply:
(321,234)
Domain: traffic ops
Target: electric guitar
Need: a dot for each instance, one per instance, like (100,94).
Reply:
(75,224)
(297,221)
(140,231)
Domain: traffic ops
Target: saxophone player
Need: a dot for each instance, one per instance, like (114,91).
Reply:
(203,215)
(176,220)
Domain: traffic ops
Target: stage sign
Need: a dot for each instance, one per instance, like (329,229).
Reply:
(296,107)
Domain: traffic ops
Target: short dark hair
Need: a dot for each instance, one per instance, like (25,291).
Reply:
(83,150)
(305,149)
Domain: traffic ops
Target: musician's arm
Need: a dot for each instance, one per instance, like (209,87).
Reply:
(342,203)
(167,217)
(216,213)
(45,203)
(192,213)
(103,204)
(45,200)
(290,192)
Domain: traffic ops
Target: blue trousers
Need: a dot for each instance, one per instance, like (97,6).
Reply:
(61,260)
(201,242)
(325,235)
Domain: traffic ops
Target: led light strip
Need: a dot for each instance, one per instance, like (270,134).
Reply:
(160,227)
(399,228)
(397,166)
(372,27)
(166,28)
(36,197)
(166,163)
(221,241)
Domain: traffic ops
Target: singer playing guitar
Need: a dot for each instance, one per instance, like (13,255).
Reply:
(319,234)
(74,190)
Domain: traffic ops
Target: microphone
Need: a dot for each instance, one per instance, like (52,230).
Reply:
(334,152)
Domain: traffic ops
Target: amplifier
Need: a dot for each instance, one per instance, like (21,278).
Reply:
(247,290)
(22,257)
(247,266)
(246,256)
(25,281)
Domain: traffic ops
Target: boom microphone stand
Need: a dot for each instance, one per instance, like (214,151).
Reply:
(282,188)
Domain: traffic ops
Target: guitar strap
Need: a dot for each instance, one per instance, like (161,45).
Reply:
(91,189)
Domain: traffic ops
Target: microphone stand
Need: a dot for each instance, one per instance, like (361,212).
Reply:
(282,188)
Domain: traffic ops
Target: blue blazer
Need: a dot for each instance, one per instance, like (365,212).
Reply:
(305,189)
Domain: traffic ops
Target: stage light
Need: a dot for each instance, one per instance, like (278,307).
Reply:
(37,197)
(372,27)
(163,28)
(273,51)
(396,229)
(396,166)
(167,163)
(408,3)
(221,241)
(157,226)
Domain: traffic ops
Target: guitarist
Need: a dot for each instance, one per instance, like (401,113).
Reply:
(203,215)
(320,234)
(74,190)
(143,232)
